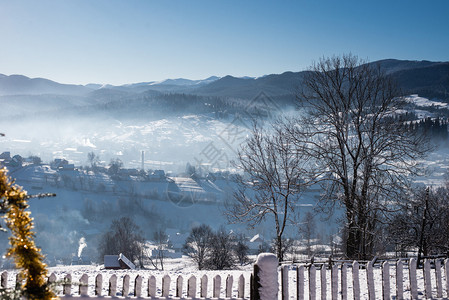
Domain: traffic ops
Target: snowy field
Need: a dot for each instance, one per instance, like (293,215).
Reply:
(424,102)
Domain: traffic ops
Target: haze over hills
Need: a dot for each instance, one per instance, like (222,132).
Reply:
(168,115)
(177,123)
(429,79)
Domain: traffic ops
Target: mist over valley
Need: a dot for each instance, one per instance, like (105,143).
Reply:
(185,134)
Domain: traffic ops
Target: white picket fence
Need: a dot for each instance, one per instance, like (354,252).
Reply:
(390,280)
(399,280)
(148,289)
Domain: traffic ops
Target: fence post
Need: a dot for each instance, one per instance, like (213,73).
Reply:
(217,286)
(191,287)
(125,288)
(344,282)
(152,286)
(4,280)
(203,290)
(229,282)
(370,279)
(300,283)
(355,280)
(284,282)
(412,276)
(138,286)
(265,285)
(179,286)
(312,282)
(334,282)
(241,289)
(446,272)
(439,278)
(84,281)
(98,284)
(165,286)
(252,294)
(323,282)
(386,280)
(427,279)
(67,290)
(51,279)
(112,286)
(399,280)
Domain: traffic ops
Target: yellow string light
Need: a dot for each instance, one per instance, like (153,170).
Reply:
(27,257)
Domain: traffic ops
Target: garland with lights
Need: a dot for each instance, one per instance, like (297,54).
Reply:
(27,257)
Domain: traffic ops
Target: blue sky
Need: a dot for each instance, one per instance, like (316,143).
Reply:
(128,41)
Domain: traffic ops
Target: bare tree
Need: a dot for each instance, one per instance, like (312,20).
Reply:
(114,166)
(241,249)
(124,237)
(307,229)
(93,159)
(287,245)
(198,245)
(422,223)
(366,156)
(221,254)
(160,238)
(274,177)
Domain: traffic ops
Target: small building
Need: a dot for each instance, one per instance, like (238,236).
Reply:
(58,163)
(6,156)
(116,262)
(67,167)
(157,175)
(16,161)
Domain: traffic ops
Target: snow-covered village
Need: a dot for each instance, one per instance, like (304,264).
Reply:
(224,150)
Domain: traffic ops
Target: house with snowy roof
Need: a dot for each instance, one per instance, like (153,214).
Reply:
(116,262)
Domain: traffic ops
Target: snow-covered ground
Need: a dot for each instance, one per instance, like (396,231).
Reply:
(424,102)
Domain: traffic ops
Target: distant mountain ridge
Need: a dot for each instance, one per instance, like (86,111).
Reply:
(22,85)
(426,78)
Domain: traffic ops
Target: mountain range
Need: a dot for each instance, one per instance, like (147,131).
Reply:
(426,78)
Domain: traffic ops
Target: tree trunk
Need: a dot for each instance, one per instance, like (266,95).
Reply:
(280,253)
(352,241)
